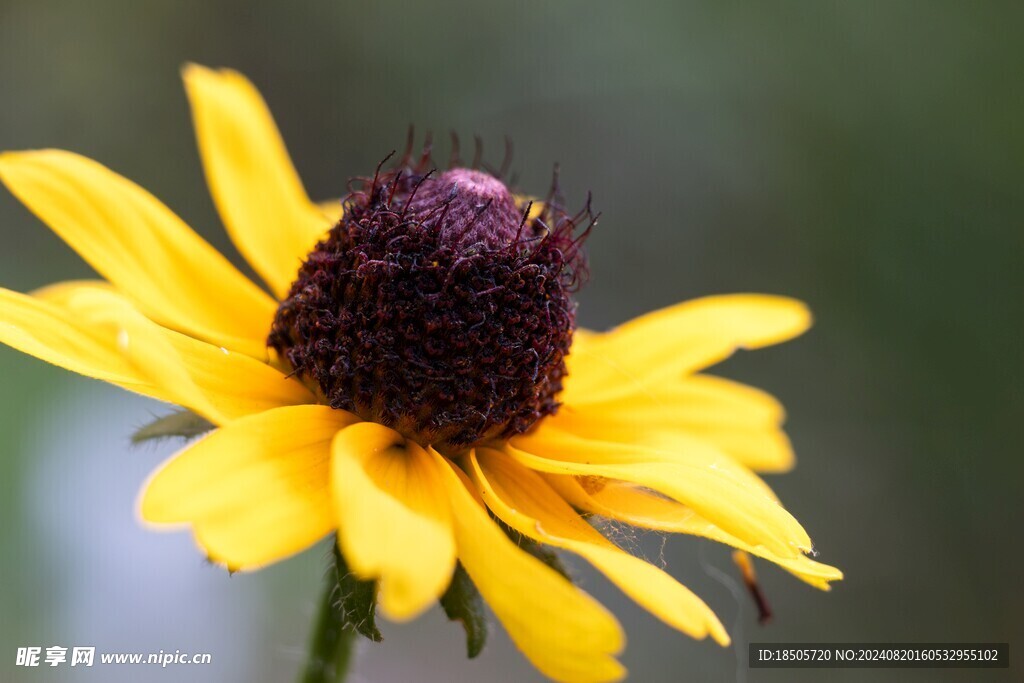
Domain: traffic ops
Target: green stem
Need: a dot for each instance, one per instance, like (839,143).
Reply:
(332,647)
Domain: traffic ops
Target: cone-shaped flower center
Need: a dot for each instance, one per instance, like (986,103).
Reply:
(478,208)
(437,307)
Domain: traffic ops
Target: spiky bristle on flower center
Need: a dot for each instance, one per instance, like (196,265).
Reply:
(437,305)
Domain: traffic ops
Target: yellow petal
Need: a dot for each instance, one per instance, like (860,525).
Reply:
(716,487)
(524,501)
(255,491)
(331,209)
(564,632)
(703,399)
(140,246)
(625,503)
(762,450)
(679,340)
(394,522)
(216,382)
(536,205)
(747,321)
(257,191)
(46,331)
(61,292)
(741,421)
(550,439)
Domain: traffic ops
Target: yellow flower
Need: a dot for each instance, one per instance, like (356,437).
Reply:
(641,436)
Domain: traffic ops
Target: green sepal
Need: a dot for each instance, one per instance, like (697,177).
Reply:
(181,423)
(356,600)
(462,602)
(541,552)
(338,621)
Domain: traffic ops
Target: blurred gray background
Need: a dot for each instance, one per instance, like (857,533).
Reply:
(866,157)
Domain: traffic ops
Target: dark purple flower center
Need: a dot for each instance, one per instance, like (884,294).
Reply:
(436,306)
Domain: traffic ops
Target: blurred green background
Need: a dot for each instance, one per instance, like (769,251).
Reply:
(865,157)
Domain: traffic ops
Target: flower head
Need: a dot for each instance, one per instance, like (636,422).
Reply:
(415,384)
(436,306)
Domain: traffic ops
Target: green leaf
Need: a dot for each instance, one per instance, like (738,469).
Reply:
(462,602)
(183,423)
(356,600)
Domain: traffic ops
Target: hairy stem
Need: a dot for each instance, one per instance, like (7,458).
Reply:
(332,646)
